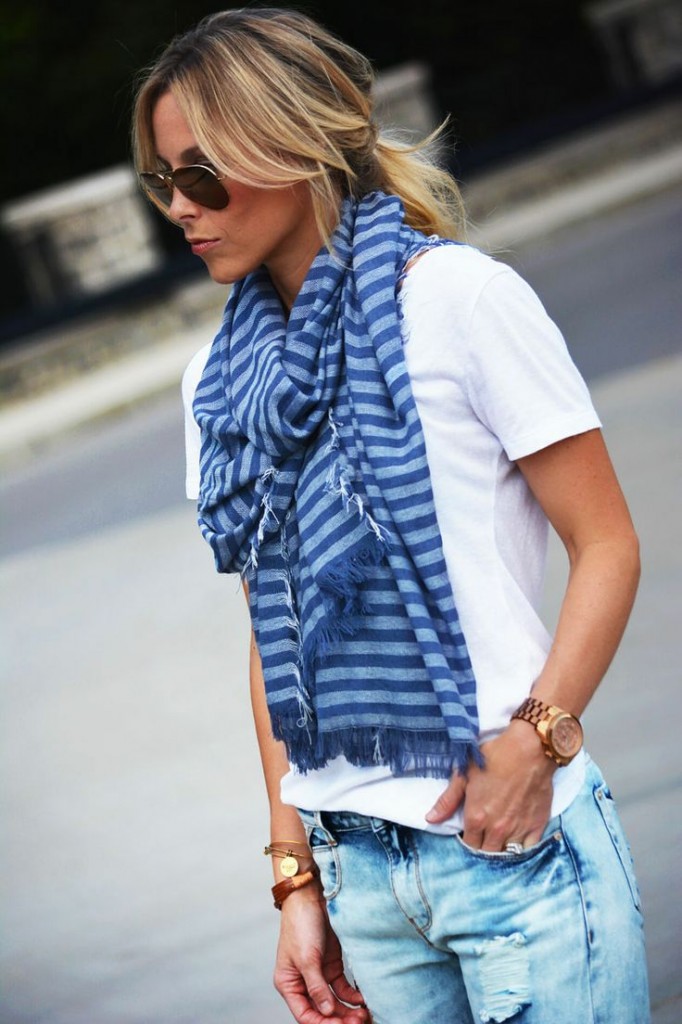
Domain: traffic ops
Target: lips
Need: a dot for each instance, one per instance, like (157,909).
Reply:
(201,245)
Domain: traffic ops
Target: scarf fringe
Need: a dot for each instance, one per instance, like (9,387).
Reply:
(345,605)
(339,482)
(403,751)
(343,577)
(268,521)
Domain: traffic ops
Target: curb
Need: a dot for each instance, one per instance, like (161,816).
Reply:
(34,423)
(606,191)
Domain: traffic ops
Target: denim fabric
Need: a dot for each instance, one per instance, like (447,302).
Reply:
(437,933)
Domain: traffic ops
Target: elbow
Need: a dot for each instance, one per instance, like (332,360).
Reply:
(627,561)
(615,558)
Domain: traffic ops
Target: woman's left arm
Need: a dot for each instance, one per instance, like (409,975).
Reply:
(575,484)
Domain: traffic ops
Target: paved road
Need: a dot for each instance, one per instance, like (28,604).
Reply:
(614,284)
(132,884)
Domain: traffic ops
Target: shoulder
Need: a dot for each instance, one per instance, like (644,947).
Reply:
(450,279)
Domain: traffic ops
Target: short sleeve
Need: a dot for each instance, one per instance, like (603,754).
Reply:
(521,380)
(190,381)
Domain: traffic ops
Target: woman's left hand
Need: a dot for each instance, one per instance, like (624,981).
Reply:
(309,973)
(509,799)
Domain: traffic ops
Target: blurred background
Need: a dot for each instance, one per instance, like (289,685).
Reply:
(132,882)
(510,76)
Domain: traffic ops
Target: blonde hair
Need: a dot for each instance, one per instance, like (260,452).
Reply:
(273,99)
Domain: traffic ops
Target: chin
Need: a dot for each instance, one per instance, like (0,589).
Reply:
(226,275)
(222,276)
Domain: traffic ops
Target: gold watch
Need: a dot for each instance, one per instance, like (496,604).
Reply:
(560,731)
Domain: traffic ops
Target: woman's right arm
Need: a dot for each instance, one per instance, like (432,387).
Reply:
(309,968)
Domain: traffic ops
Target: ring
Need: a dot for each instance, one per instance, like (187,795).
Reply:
(512,847)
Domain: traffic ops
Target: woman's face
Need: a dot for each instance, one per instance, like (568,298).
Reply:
(271,227)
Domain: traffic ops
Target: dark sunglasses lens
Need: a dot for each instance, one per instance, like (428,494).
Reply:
(201,186)
(157,187)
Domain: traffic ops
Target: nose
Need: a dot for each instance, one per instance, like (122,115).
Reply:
(181,207)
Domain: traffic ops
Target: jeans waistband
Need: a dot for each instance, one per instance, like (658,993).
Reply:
(334,822)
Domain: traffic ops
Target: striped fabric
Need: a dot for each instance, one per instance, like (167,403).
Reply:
(315,486)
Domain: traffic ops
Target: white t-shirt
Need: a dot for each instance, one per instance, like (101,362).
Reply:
(493,381)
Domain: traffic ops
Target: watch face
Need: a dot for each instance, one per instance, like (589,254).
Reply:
(566,735)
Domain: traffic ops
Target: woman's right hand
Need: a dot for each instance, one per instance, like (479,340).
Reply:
(309,967)
(309,971)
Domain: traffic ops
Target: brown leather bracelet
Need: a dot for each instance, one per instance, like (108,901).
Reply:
(289,885)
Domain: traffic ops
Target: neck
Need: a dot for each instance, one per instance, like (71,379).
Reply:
(289,272)
(288,280)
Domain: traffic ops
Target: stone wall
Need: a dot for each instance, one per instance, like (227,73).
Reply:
(83,237)
(642,40)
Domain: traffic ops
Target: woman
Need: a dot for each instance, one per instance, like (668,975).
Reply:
(385,424)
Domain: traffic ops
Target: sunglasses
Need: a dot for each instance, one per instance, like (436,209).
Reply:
(198,182)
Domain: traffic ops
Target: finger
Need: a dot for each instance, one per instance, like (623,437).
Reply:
(498,833)
(304,1013)
(301,1008)
(533,837)
(356,1015)
(473,837)
(294,989)
(342,1014)
(493,841)
(448,802)
(476,825)
(527,834)
(320,993)
(343,989)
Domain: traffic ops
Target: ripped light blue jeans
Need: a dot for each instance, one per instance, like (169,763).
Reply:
(436,933)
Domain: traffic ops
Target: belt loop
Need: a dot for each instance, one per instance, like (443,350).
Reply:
(323,823)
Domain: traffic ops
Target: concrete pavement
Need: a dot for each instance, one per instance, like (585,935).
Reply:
(133,886)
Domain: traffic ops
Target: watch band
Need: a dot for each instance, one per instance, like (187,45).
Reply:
(545,718)
(535,711)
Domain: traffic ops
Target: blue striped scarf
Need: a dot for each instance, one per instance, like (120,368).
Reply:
(315,486)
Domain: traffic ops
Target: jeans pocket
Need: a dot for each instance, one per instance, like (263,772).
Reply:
(607,808)
(326,856)
(551,835)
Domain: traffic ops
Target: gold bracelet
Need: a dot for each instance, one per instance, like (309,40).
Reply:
(289,866)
